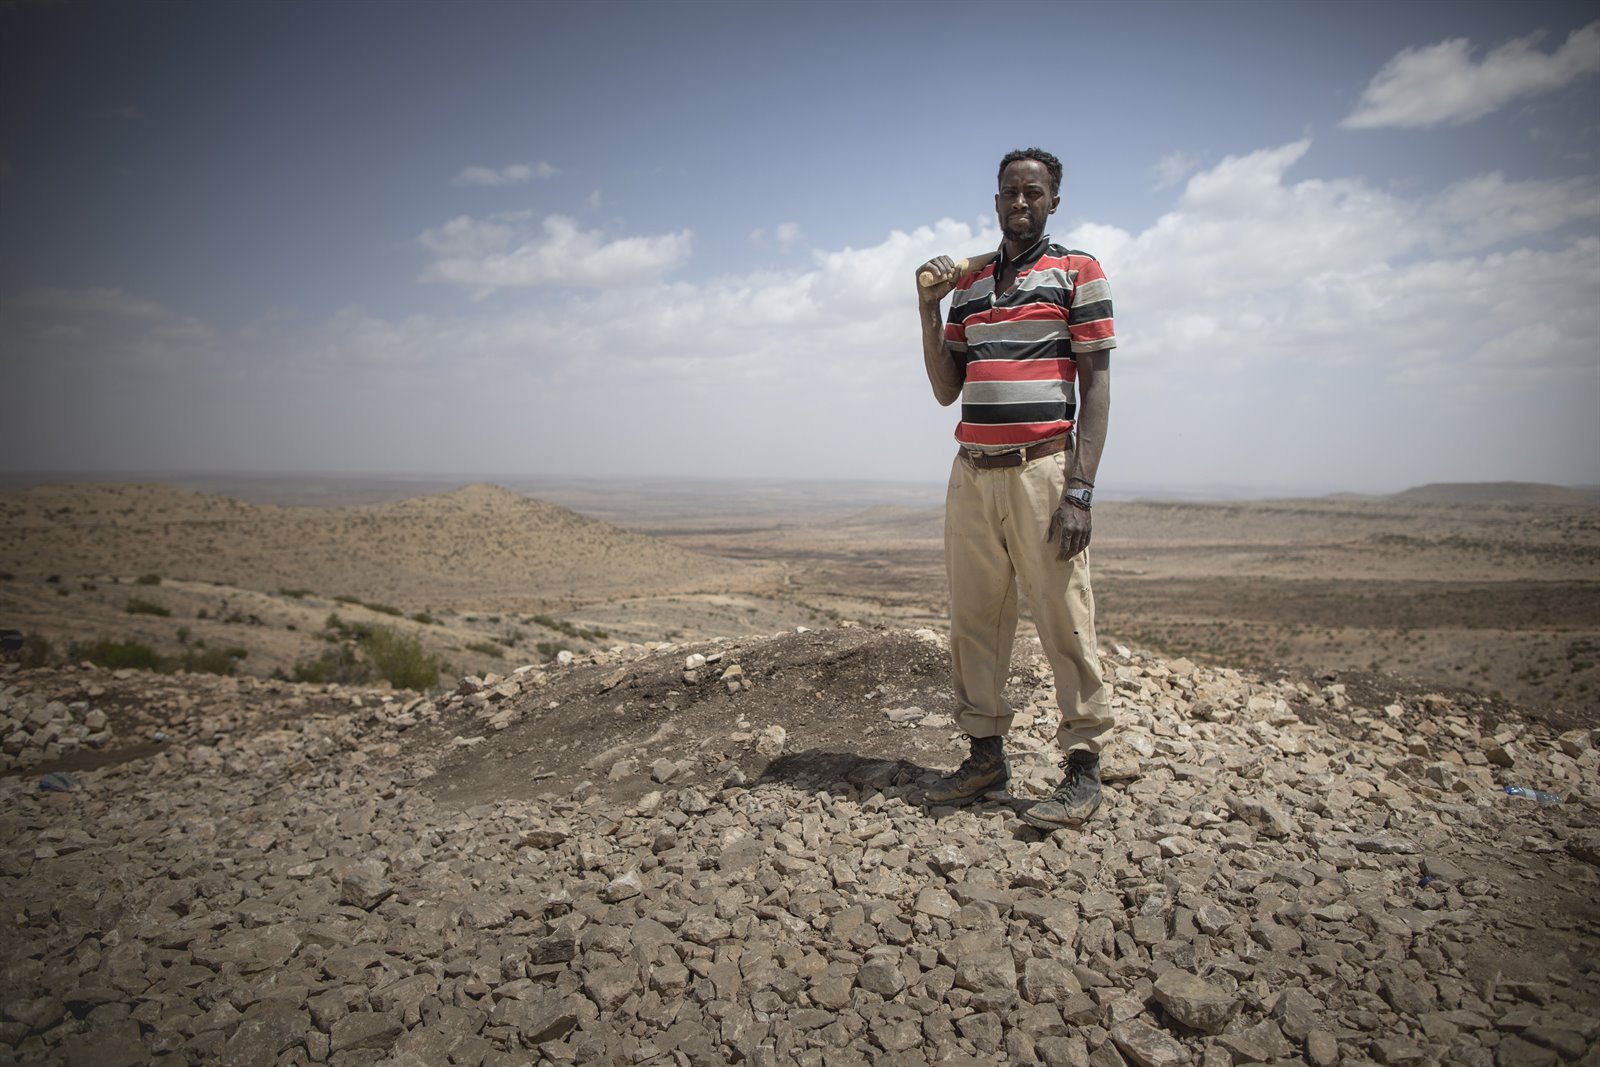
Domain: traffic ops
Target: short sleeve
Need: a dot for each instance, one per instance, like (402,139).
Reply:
(1089,320)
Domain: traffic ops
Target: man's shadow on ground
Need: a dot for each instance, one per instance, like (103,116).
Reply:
(852,776)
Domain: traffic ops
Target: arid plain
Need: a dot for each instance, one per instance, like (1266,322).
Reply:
(704,838)
(1493,588)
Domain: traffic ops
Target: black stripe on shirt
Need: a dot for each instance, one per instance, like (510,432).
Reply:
(1001,414)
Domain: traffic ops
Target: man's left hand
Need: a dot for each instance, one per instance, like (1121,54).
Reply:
(1071,525)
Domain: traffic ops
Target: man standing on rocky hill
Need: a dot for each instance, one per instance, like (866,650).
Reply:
(1021,332)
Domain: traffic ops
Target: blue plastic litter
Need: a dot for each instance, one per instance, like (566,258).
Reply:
(1533,794)
(57,782)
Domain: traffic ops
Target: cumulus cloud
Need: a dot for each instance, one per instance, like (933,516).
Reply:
(1445,83)
(1245,248)
(513,174)
(507,251)
(1276,330)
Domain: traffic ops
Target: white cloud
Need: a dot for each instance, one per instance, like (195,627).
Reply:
(1443,82)
(1173,168)
(1265,319)
(1305,332)
(514,174)
(505,251)
(592,201)
(1314,258)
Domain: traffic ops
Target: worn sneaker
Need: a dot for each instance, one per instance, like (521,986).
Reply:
(1075,799)
(982,771)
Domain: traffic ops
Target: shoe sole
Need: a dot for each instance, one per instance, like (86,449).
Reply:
(962,801)
(1045,824)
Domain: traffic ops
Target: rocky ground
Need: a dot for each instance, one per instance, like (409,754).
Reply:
(718,854)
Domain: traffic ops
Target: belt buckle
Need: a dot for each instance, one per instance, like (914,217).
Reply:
(979,458)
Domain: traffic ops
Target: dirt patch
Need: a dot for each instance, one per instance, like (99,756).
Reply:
(609,724)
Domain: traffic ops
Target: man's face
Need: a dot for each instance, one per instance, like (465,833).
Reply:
(1024,202)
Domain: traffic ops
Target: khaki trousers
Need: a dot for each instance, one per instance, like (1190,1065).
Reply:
(994,537)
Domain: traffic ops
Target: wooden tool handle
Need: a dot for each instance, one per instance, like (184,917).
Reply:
(927,279)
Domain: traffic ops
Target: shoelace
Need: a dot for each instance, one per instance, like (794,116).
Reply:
(1072,771)
(973,762)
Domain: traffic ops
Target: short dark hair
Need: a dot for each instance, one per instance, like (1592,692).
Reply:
(1038,155)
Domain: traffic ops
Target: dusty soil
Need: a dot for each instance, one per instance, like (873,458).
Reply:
(1301,809)
(1494,588)
(1455,588)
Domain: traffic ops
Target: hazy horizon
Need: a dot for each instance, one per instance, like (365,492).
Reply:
(303,486)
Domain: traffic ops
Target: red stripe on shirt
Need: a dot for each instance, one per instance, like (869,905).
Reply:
(1022,370)
(1039,312)
(1083,333)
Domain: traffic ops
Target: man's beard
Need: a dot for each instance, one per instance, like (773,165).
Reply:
(1022,230)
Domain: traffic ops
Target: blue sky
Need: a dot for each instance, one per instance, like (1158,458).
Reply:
(1352,246)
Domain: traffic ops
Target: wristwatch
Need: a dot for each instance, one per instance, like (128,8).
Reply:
(1082,497)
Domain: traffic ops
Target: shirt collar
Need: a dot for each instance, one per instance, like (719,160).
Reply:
(1029,257)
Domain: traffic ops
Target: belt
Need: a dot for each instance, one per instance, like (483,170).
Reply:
(1015,457)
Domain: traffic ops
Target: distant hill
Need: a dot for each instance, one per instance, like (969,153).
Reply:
(1496,493)
(474,546)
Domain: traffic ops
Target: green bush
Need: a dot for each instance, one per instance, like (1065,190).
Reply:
(347,599)
(383,609)
(362,652)
(562,626)
(36,651)
(117,655)
(548,649)
(401,659)
(339,664)
(213,660)
(488,648)
(147,579)
(296,594)
(424,618)
(135,606)
(339,628)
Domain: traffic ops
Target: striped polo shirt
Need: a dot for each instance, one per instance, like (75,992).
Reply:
(1017,349)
